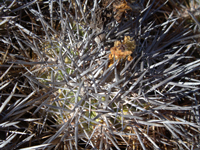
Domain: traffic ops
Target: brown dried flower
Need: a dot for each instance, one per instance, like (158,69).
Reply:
(122,50)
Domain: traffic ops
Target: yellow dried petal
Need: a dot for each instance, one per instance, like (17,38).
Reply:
(122,50)
(113,51)
(130,58)
(129,42)
(119,54)
(110,65)
(128,53)
(127,39)
(123,7)
(110,56)
(117,43)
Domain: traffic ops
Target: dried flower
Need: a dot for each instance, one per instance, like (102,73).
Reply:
(122,50)
(122,7)
(120,10)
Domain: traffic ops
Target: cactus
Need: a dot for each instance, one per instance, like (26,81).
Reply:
(99,75)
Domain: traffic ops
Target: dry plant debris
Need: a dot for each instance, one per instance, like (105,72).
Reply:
(121,9)
(123,50)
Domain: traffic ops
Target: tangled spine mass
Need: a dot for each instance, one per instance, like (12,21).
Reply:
(103,75)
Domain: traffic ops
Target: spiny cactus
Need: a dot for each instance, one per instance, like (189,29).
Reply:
(99,75)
